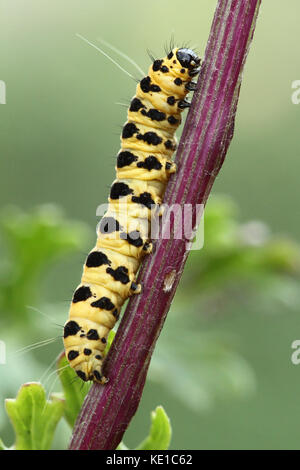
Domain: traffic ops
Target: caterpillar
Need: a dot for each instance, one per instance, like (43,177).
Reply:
(143,168)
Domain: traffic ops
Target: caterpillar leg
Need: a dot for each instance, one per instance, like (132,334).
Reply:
(136,288)
(148,247)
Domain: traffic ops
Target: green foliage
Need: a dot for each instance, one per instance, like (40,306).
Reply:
(33,417)
(238,252)
(2,446)
(240,264)
(202,367)
(34,240)
(160,432)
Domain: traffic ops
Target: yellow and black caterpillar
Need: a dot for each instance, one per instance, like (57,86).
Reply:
(142,171)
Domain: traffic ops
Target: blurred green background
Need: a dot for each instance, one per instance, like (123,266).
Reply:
(238,305)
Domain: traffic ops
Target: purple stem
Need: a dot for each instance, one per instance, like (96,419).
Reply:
(107,410)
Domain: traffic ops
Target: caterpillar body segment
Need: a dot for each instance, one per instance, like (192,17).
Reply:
(143,168)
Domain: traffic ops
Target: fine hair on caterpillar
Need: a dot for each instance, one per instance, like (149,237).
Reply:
(143,167)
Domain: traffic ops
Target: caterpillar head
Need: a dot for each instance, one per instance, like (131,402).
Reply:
(188,59)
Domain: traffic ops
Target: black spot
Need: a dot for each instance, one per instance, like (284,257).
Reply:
(119,274)
(150,163)
(82,335)
(182,71)
(120,190)
(129,130)
(150,138)
(82,293)
(156,65)
(155,115)
(98,357)
(136,104)
(178,81)
(170,55)
(71,329)
(169,144)
(109,225)
(115,313)
(104,303)
(164,69)
(72,355)
(133,238)
(174,62)
(171,100)
(103,340)
(172,120)
(125,159)
(92,335)
(145,199)
(97,375)
(146,85)
(96,259)
(168,166)
(87,352)
(155,88)
(81,375)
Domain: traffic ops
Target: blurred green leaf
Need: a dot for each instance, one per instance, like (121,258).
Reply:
(74,390)
(110,339)
(2,446)
(160,432)
(198,367)
(122,446)
(33,417)
(34,240)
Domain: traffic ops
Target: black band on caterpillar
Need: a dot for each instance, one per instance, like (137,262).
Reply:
(142,171)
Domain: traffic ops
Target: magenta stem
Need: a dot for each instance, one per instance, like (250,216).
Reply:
(107,410)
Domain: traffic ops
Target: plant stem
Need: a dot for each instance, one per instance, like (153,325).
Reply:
(208,130)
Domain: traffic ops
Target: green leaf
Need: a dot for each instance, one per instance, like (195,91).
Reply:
(74,390)
(33,417)
(122,446)
(33,240)
(2,446)
(110,339)
(208,363)
(160,432)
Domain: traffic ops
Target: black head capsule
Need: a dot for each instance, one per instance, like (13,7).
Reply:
(188,58)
